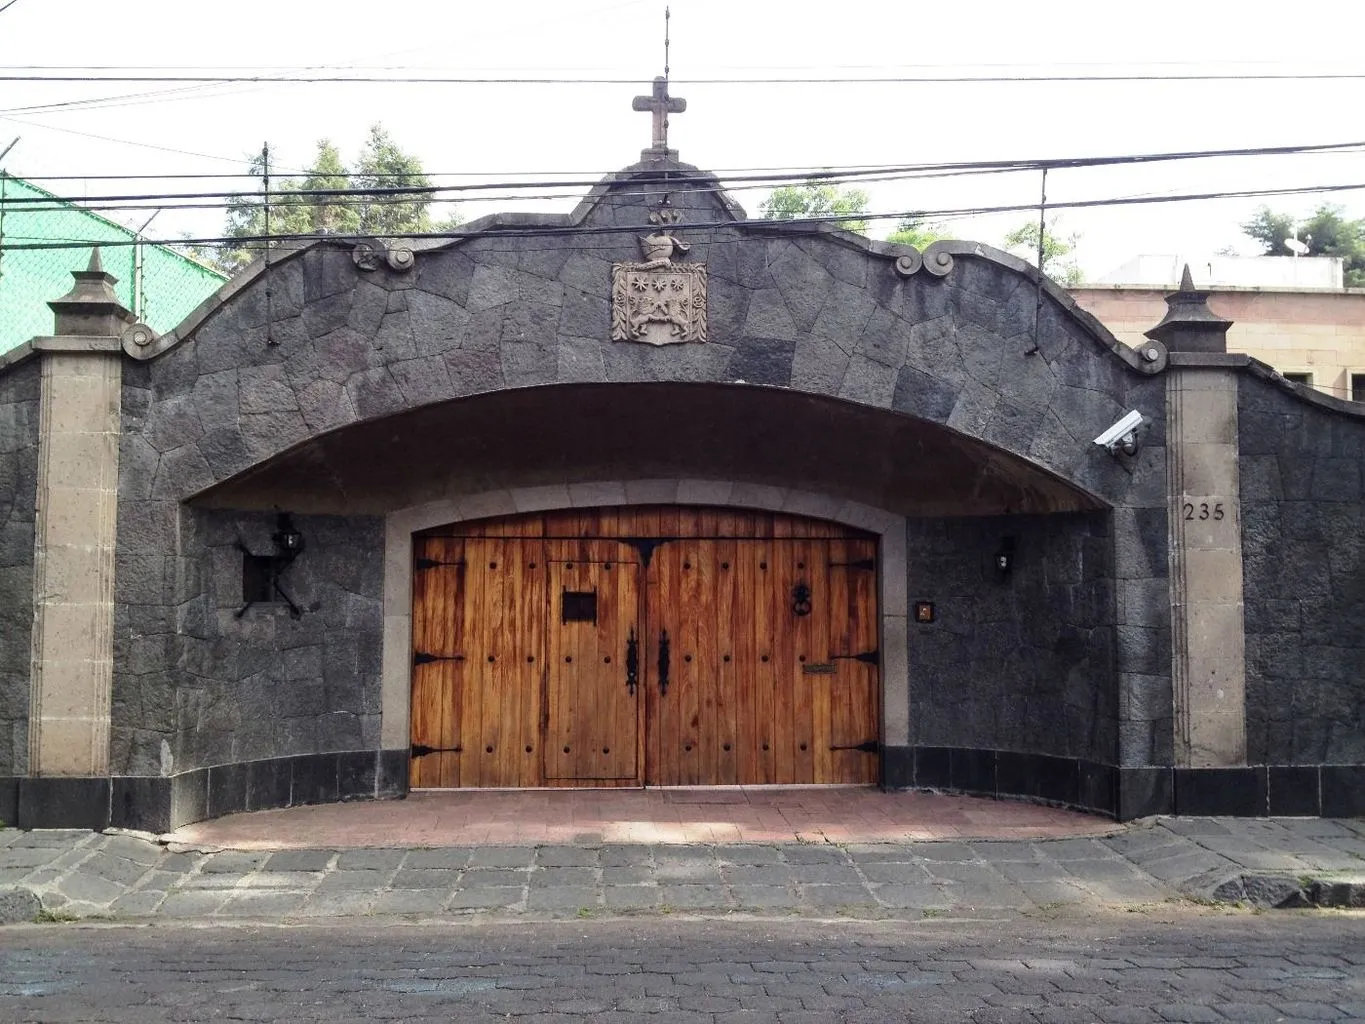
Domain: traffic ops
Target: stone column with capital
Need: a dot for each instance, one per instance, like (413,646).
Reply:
(1208,638)
(76,518)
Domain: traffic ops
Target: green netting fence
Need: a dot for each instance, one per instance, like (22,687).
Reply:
(160,285)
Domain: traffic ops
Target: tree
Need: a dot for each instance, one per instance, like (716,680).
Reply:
(1326,233)
(817,199)
(294,209)
(1058,261)
(918,232)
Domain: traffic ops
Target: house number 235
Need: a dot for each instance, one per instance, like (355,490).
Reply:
(1204,510)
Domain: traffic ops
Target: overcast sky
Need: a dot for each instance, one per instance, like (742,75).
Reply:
(538,130)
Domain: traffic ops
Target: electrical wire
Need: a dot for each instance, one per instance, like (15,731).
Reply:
(246,241)
(1299,76)
(829,175)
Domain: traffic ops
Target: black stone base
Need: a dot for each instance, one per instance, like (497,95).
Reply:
(1331,791)
(1070,781)
(161,804)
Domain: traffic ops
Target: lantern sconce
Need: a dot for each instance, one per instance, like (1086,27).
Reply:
(1004,558)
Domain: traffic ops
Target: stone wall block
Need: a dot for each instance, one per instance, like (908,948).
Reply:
(805,285)
(768,316)
(584,315)
(885,338)
(326,271)
(974,408)
(526,363)
(762,361)
(843,317)
(869,382)
(323,316)
(587,274)
(265,389)
(579,360)
(439,324)
(138,462)
(446,274)
(369,303)
(325,404)
(394,340)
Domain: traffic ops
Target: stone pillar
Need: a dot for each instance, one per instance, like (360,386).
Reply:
(1207,634)
(77,503)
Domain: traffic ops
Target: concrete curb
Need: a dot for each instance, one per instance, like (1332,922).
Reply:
(19,906)
(1291,892)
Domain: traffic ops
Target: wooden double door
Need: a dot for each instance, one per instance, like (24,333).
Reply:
(656,646)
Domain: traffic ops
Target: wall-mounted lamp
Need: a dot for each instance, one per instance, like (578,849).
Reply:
(288,540)
(1004,557)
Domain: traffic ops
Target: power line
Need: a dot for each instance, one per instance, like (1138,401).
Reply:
(550,231)
(1327,76)
(831,175)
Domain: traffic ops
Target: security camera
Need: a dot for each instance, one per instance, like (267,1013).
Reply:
(1122,435)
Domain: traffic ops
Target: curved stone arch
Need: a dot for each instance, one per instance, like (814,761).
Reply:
(337,348)
(402,524)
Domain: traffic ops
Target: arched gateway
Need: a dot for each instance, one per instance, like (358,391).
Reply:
(393,513)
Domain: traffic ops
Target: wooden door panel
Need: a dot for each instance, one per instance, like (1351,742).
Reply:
(478,642)
(592,709)
(437,588)
(757,692)
(852,699)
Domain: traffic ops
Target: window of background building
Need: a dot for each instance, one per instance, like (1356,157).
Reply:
(1358,387)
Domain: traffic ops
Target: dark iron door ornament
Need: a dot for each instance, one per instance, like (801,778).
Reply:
(663,662)
(632,663)
(865,747)
(801,599)
(288,541)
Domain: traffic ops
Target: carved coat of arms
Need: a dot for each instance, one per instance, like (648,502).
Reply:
(659,301)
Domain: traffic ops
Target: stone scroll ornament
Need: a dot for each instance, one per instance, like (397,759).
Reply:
(659,301)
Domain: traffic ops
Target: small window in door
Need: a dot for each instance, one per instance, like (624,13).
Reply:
(578,606)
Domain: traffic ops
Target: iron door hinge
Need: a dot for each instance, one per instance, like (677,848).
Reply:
(872,657)
(424,658)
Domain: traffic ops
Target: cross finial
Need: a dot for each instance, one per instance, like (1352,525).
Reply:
(660,104)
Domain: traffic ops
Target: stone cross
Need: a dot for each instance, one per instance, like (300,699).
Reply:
(660,104)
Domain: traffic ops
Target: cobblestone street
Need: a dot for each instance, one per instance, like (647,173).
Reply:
(1127,969)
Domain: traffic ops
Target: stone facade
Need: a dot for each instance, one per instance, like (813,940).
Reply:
(19,389)
(1303,511)
(1019,661)
(945,400)
(222,687)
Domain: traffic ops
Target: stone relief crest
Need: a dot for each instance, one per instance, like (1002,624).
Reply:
(659,301)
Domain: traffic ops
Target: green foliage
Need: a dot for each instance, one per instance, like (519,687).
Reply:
(817,199)
(1059,263)
(1327,232)
(918,232)
(294,210)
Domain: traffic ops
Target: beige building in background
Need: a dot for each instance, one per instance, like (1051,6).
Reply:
(1290,313)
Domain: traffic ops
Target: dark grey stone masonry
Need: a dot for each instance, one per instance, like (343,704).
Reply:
(982,349)
(1020,662)
(222,688)
(1303,548)
(19,391)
